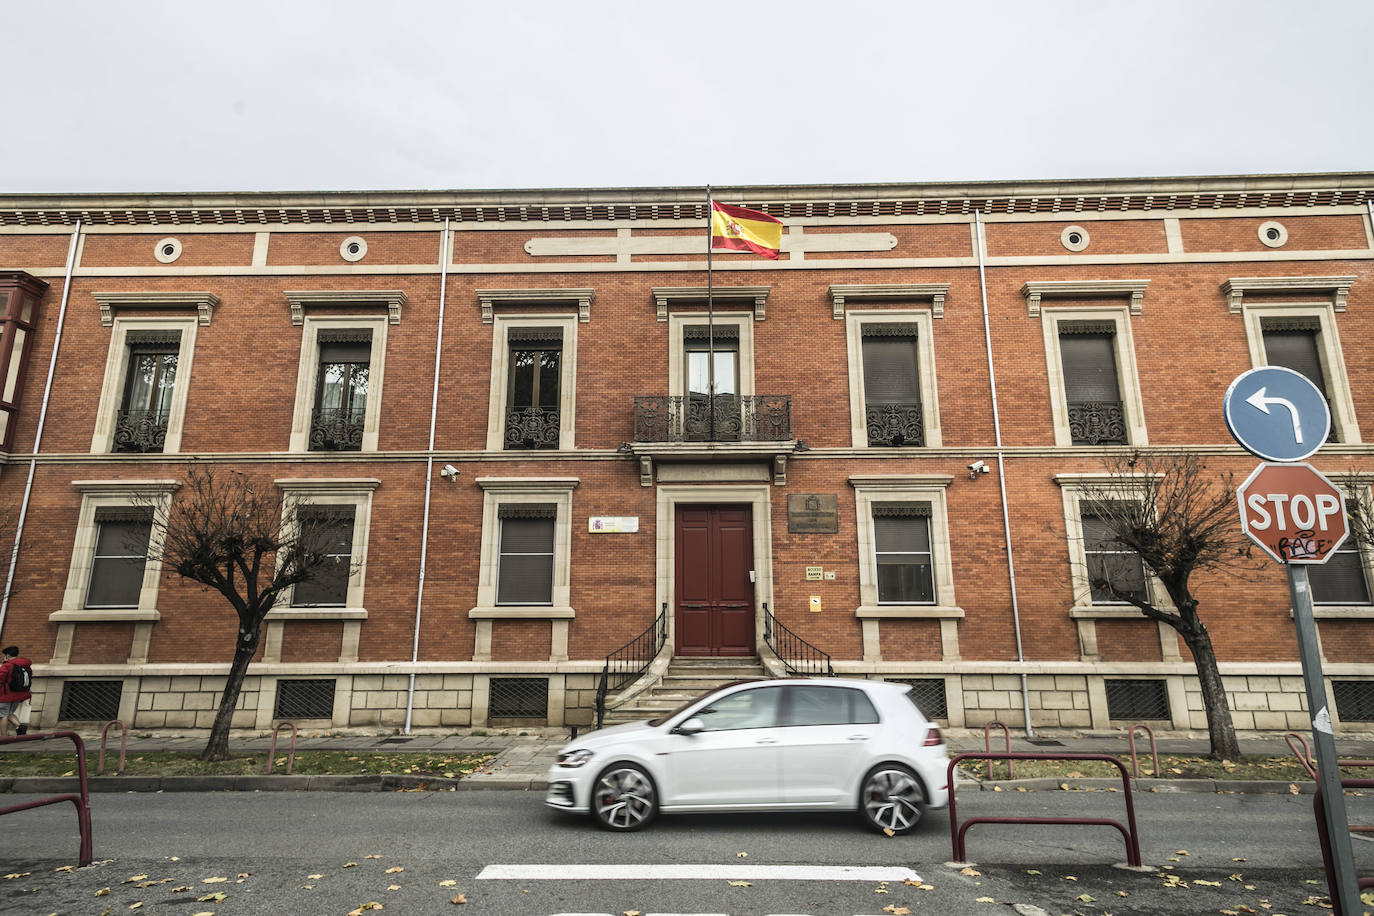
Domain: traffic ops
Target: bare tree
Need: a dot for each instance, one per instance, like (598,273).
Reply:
(1178,519)
(238,536)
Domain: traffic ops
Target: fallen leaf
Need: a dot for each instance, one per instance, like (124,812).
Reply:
(986,900)
(459,899)
(1233,877)
(212,898)
(448,883)
(925,887)
(245,874)
(1070,878)
(130,880)
(897,910)
(1207,883)
(136,906)
(741,855)
(1032,871)
(214,880)
(394,869)
(372,857)
(1238,859)
(970,872)
(997,788)
(64,868)
(880,890)
(181,890)
(1022,789)
(1293,790)
(1086,898)
(104,891)
(1181,852)
(314,877)
(206,913)
(307,887)
(350,865)
(888,831)
(393,887)
(175,858)
(1122,894)
(630,913)
(1064,786)
(739,883)
(373,905)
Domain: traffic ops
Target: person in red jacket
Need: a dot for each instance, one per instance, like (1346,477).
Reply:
(16,677)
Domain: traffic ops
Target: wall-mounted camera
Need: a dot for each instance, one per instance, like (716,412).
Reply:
(978,467)
(449,472)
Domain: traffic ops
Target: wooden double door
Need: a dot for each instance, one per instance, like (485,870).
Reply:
(714,601)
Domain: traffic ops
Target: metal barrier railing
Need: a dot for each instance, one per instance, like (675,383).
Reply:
(1129,832)
(631,660)
(987,745)
(123,746)
(796,654)
(272,748)
(1154,750)
(1362,883)
(82,799)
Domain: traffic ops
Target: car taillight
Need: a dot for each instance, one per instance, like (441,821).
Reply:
(933,737)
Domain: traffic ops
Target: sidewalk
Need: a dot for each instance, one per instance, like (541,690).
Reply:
(523,760)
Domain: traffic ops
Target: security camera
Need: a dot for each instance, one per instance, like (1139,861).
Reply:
(449,472)
(978,467)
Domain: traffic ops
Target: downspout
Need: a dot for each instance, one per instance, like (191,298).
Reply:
(429,473)
(42,417)
(1001,472)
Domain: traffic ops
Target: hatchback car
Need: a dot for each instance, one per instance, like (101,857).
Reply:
(781,745)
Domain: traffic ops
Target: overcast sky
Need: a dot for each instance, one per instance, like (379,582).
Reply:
(305,95)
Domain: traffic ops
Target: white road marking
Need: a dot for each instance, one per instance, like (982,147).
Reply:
(696,873)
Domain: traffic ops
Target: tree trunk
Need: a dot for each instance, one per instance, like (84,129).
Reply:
(217,748)
(1220,729)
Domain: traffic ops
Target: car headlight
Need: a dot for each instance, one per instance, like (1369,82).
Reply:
(575,758)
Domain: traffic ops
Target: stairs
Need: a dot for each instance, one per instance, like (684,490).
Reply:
(685,679)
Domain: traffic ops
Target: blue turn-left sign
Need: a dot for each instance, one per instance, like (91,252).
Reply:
(1277,414)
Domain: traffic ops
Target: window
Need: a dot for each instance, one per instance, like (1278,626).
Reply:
(712,409)
(1093,386)
(143,399)
(1304,338)
(331,528)
(305,699)
(901,547)
(756,708)
(338,419)
(526,554)
(830,706)
(1342,579)
(19,297)
(532,415)
(119,559)
(892,378)
(518,698)
(1114,572)
(1132,700)
(533,382)
(339,383)
(90,701)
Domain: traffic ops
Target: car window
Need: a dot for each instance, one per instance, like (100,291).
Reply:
(817,705)
(746,709)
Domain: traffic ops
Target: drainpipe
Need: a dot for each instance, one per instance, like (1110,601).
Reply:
(429,472)
(1001,472)
(42,417)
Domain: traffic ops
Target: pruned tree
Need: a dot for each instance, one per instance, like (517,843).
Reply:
(240,537)
(1178,519)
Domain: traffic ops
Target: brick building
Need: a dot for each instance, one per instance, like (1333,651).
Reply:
(569,478)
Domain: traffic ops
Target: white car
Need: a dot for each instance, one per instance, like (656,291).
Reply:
(777,745)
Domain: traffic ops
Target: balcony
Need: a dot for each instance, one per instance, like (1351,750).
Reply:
(531,427)
(1097,423)
(140,430)
(894,424)
(336,429)
(723,418)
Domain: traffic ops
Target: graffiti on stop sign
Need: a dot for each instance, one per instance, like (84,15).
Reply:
(1293,512)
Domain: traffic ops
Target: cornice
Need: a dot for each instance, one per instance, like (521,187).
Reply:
(840,293)
(1035,290)
(203,302)
(393,299)
(1338,288)
(582,298)
(758,295)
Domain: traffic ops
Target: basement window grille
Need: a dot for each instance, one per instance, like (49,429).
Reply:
(519,698)
(928,693)
(1137,701)
(305,699)
(1354,700)
(90,701)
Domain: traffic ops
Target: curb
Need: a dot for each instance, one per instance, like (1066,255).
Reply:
(50,785)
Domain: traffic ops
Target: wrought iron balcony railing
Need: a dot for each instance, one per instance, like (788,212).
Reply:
(1097,423)
(140,430)
(894,424)
(336,429)
(532,427)
(722,418)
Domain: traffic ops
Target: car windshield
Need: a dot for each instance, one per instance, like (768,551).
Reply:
(693,702)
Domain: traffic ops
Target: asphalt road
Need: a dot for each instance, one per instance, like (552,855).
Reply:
(270,846)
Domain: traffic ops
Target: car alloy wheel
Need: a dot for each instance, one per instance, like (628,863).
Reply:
(892,799)
(623,798)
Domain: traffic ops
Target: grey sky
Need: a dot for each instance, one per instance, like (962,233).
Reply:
(344,95)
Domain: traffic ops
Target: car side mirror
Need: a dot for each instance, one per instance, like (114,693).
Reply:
(691,726)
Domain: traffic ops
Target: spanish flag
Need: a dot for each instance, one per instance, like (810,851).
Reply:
(745,230)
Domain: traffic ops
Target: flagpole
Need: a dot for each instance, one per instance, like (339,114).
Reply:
(710,324)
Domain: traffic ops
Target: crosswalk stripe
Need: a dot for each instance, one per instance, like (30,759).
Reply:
(705,872)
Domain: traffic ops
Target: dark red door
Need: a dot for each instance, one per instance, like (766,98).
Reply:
(715,599)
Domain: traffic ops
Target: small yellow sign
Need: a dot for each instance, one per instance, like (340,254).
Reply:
(815,604)
(813,574)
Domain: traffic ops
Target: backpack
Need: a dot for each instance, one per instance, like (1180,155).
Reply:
(21,678)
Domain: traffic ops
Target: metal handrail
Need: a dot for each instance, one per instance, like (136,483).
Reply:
(1328,866)
(82,799)
(1129,831)
(631,660)
(797,655)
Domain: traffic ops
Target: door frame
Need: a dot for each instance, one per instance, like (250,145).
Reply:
(758,497)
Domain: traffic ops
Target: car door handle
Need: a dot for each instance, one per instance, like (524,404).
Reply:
(858,737)
(767,741)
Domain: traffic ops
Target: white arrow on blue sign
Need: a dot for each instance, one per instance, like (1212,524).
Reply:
(1277,414)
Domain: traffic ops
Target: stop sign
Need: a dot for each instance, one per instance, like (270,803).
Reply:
(1293,512)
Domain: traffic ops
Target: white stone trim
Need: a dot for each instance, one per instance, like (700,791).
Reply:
(203,302)
(841,294)
(930,488)
(1235,288)
(117,370)
(307,376)
(677,362)
(488,299)
(1075,238)
(1127,376)
(665,295)
(855,319)
(391,299)
(500,377)
(1279,231)
(167,250)
(353,248)
(1035,291)
(1328,348)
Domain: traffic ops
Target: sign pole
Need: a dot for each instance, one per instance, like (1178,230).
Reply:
(1328,773)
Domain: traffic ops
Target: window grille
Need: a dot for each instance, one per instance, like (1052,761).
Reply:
(892,387)
(928,693)
(90,701)
(1091,388)
(1354,700)
(305,699)
(1137,701)
(518,698)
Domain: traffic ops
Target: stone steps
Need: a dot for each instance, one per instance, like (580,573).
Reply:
(686,679)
